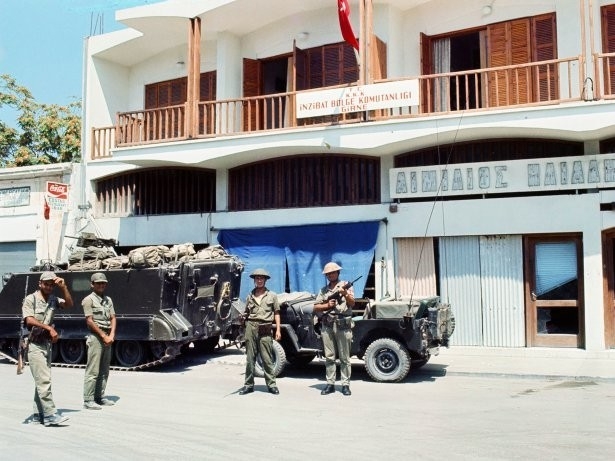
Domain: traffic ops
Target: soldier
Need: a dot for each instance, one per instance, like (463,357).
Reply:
(100,318)
(38,311)
(261,309)
(334,303)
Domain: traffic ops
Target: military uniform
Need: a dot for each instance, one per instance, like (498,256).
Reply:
(261,311)
(40,307)
(101,309)
(39,352)
(336,335)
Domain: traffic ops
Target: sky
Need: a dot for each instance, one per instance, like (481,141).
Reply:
(41,43)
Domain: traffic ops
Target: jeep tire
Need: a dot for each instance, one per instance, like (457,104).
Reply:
(279,361)
(386,360)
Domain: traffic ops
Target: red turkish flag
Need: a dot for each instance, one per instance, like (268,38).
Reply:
(343,10)
(46,209)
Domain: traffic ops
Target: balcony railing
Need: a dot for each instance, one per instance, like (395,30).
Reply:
(546,82)
(604,70)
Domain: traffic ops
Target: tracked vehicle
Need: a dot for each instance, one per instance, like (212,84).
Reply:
(159,310)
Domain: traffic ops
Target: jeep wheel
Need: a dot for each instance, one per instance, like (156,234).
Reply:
(386,360)
(279,361)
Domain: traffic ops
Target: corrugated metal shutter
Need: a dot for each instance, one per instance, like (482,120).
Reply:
(460,286)
(409,251)
(482,279)
(17,256)
(501,262)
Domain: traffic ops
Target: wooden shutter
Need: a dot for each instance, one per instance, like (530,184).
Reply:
(207,112)
(520,53)
(427,68)
(497,39)
(519,42)
(608,46)
(300,69)
(252,84)
(544,49)
(378,67)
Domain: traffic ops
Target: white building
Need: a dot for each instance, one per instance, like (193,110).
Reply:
(27,237)
(468,151)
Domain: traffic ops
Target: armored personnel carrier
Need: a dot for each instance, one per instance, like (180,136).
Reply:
(158,309)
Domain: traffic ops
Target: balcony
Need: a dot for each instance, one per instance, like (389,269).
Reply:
(539,83)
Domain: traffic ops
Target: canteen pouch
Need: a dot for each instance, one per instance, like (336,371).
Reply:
(344,323)
(264,329)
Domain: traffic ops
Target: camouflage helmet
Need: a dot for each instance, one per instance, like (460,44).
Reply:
(261,272)
(331,267)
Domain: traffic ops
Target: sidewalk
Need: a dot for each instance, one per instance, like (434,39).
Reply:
(574,364)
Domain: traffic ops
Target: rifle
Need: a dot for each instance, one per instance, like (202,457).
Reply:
(23,339)
(336,295)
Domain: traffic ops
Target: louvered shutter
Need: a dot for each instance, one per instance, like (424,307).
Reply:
(252,112)
(545,49)
(498,56)
(520,53)
(207,112)
(608,46)
(427,68)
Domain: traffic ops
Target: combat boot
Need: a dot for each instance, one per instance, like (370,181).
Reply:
(54,420)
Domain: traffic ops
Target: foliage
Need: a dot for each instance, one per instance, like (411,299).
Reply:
(44,133)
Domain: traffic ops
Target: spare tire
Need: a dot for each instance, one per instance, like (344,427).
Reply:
(279,361)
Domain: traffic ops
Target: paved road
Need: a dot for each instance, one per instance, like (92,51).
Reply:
(191,411)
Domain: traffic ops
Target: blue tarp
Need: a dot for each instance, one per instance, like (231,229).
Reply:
(305,250)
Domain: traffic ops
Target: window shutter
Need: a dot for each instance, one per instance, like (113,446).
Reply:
(252,75)
(427,68)
(378,59)
(608,46)
(520,53)
(498,56)
(545,48)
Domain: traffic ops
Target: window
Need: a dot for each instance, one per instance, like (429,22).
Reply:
(504,44)
(157,192)
(306,181)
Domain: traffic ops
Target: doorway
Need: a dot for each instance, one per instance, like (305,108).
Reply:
(554,291)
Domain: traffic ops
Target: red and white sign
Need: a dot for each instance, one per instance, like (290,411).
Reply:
(57,196)
(400,93)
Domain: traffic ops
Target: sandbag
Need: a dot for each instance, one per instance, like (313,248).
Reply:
(149,256)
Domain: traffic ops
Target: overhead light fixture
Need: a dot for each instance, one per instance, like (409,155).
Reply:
(303,36)
(487,10)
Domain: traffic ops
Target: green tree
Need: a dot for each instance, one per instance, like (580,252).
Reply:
(44,133)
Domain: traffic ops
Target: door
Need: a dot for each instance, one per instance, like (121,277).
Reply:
(608,270)
(16,257)
(554,291)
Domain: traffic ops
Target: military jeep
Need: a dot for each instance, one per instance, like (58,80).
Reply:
(392,336)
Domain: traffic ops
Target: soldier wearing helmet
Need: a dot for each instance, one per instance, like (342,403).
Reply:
(334,305)
(262,309)
(100,319)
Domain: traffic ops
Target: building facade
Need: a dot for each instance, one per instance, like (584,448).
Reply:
(465,149)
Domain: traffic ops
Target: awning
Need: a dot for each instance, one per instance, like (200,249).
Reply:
(304,250)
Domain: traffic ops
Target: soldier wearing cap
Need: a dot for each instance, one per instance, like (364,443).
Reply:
(100,319)
(38,311)
(262,309)
(334,305)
